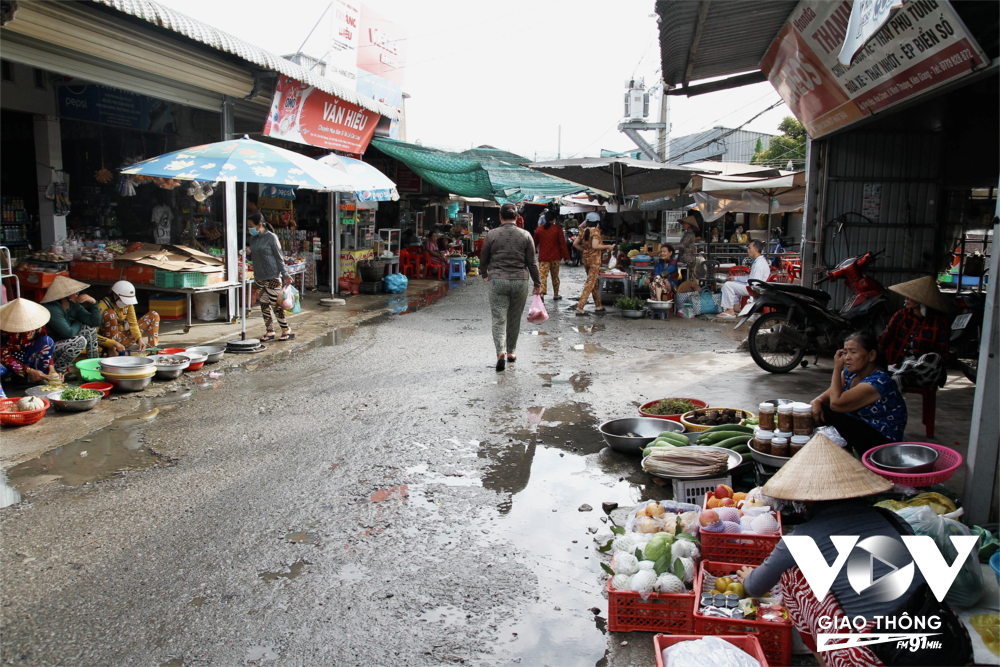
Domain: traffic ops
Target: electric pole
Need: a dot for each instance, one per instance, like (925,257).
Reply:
(559,145)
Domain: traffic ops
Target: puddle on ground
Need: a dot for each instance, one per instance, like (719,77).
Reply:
(591,348)
(579,382)
(99,456)
(295,570)
(8,496)
(447,616)
(197,602)
(538,333)
(262,653)
(302,537)
(335,337)
(351,572)
(395,492)
(422,299)
(173,662)
(589,328)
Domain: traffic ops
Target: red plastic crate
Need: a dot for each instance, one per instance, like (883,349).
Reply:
(738,547)
(747,643)
(775,638)
(660,612)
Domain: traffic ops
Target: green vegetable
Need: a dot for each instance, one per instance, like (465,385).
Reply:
(630,303)
(741,449)
(750,422)
(676,438)
(670,406)
(732,442)
(731,427)
(78,394)
(719,436)
(658,547)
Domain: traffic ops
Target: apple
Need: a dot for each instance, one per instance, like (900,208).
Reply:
(723,491)
(708,517)
(728,502)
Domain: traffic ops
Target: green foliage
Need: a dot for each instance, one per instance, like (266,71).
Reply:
(789,145)
(630,303)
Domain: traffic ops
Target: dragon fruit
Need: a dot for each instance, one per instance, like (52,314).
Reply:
(731,527)
(765,524)
(728,514)
(668,583)
(643,581)
(621,582)
(626,564)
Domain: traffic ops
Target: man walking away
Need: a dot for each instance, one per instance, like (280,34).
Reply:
(733,291)
(550,240)
(507,261)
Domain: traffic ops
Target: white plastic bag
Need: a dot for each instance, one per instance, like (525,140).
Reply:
(612,263)
(287,298)
(707,651)
(537,312)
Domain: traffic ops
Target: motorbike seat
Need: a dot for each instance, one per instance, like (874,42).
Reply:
(799,289)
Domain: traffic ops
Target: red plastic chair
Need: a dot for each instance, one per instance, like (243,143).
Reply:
(781,277)
(738,271)
(477,247)
(442,271)
(929,406)
(409,264)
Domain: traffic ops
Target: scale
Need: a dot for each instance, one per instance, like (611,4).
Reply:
(245,346)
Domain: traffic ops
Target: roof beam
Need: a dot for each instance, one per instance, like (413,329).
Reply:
(722,84)
(695,39)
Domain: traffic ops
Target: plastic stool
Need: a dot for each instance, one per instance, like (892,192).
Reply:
(611,287)
(658,314)
(456,268)
(929,406)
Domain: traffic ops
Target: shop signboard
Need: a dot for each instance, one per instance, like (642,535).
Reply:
(277,191)
(867,18)
(111,106)
(342,59)
(381,46)
(349,261)
(407,181)
(921,47)
(384,91)
(303,114)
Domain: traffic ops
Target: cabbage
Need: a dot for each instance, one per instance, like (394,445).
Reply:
(625,564)
(621,582)
(659,546)
(643,581)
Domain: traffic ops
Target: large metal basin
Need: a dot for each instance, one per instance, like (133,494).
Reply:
(130,384)
(646,428)
(170,371)
(905,459)
(126,365)
(214,352)
(72,406)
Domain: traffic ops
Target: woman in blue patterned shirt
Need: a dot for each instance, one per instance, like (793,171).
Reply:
(863,402)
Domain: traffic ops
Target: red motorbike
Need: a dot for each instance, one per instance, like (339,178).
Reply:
(794,320)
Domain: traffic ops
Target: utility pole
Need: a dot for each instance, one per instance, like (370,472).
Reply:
(664,132)
(559,145)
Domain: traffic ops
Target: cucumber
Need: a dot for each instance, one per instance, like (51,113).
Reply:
(731,427)
(733,442)
(675,438)
(719,436)
(742,449)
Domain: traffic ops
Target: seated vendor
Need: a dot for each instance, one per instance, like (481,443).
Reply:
(432,252)
(74,318)
(665,274)
(863,402)
(739,236)
(734,290)
(836,489)
(25,347)
(119,327)
(915,342)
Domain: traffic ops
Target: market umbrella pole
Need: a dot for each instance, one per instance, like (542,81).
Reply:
(243,273)
(767,242)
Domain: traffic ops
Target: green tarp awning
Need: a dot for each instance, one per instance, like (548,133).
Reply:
(477,173)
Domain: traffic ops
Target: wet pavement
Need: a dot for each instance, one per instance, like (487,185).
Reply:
(378,495)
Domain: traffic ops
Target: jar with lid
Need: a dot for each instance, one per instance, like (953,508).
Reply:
(779,446)
(803,421)
(796,443)
(762,441)
(765,413)
(785,417)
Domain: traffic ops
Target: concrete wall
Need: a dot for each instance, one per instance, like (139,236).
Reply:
(23,95)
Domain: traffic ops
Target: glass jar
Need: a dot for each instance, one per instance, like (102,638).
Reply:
(779,446)
(797,442)
(762,441)
(785,417)
(765,413)
(803,421)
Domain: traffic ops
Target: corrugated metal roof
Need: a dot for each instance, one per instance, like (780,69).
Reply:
(174,21)
(734,37)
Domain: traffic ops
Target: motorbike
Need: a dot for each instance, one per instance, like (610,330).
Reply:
(575,255)
(966,333)
(794,320)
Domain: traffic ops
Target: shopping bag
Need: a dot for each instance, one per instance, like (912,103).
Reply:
(537,312)
(613,262)
(287,298)
(706,304)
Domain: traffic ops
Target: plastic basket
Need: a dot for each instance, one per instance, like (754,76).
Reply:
(180,279)
(697,428)
(746,643)
(673,418)
(775,638)
(660,612)
(947,463)
(20,418)
(90,370)
(747,548)
(693,491)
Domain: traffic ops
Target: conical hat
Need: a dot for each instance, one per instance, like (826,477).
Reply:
(824,471)
(691,220)
(62,287)
(21,315)
(924,290)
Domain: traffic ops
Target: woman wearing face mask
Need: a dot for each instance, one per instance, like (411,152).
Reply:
(863,402)
(269,274)
(916,341)
(119,327)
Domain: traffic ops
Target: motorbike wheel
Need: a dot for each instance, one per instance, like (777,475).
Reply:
(768,350)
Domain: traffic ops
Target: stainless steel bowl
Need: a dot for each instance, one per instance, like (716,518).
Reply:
(126,365)
(214,352)
(660,305)
(170,371)
(195,357)
(634,314)
(647,428)
(906,458)
(130,384)
(72,406)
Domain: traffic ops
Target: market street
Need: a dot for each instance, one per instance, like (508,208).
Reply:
(382,496)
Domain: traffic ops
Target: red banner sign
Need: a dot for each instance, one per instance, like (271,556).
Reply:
(921,47)
(303,114)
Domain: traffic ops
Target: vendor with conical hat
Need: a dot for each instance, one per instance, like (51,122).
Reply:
(916,341)
(25,347)
(73,323)
(835,488)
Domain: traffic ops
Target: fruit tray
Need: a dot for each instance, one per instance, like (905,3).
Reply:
(746,548)
(746,643)
(669,613)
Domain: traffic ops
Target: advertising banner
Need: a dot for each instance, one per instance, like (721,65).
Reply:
(305,115)
(342,59)
(111,106)
(384,91)
(382,46)
(923,46)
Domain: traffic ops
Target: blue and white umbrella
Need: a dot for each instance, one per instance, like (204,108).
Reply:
(244,161)
(370,183)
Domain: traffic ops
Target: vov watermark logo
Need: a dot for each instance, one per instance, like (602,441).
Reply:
(916,551)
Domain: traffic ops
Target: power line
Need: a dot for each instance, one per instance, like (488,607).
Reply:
(726,134)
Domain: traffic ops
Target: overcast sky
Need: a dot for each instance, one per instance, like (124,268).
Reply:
(508,74)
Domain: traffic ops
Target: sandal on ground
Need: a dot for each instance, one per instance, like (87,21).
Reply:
(269,336)
(582,313)
(557,298)
(600,310)
(511,358)
(501,364)
(286,336)
(726,315)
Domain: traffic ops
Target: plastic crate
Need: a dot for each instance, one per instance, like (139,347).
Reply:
(746,643)
(141,275)
(745,548)
(179,279)
(693,491)
(81,270)
(775,638)
(108,272)
(169,307)
(660,612)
